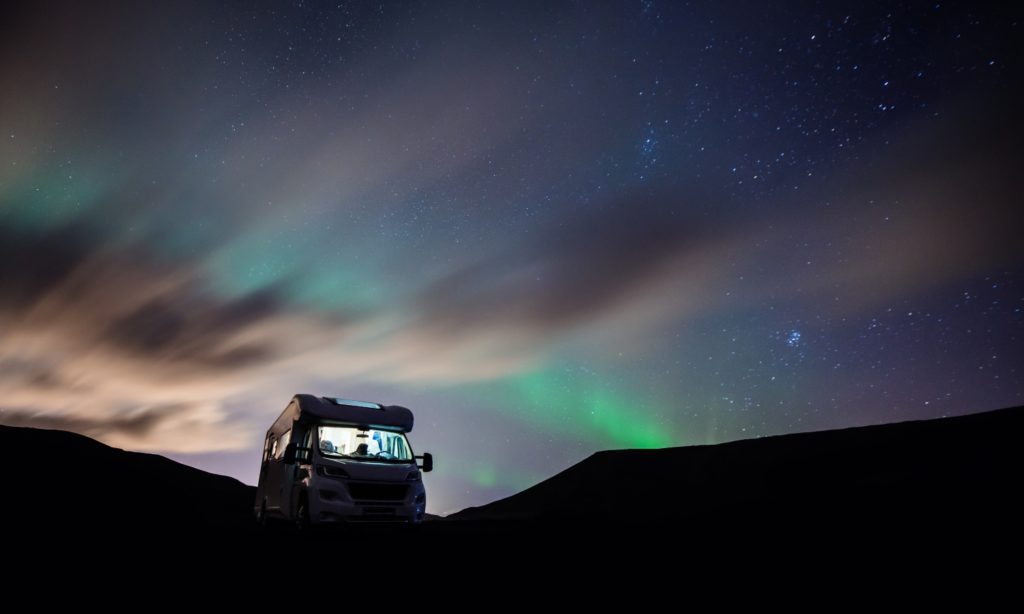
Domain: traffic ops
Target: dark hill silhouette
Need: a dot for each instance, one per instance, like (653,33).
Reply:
(944,477)
(60,479)
(932,471)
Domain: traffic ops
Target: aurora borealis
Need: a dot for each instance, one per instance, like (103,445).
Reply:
(548,228)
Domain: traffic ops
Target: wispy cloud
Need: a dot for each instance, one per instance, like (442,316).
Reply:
(156,265)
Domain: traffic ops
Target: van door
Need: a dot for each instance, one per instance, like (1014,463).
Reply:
(293,475)
(277,473)
(261,485)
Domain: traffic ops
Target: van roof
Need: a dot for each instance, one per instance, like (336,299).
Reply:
(355,412)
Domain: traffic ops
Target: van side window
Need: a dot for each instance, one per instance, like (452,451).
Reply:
(282,444)
(266,448)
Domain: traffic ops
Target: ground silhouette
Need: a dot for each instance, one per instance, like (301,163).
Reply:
(927,488)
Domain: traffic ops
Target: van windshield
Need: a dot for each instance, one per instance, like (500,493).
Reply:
(363,444)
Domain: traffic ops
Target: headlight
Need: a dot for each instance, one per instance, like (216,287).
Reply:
(413,476)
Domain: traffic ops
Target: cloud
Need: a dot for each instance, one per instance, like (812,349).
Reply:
(934,207)
(573,273)
(508,310)
(115,343)
(115,340)
(178,427)
(127,301)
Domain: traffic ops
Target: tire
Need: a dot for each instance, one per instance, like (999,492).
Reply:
(302,521)
(261,515)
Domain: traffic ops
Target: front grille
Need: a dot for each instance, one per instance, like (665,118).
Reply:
(378,511)
(377,492)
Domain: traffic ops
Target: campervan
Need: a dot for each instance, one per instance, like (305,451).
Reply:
(330,460)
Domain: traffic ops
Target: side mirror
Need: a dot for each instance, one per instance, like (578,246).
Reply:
(428,461)
(289,453)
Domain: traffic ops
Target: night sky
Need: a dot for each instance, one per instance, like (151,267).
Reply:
(549,229)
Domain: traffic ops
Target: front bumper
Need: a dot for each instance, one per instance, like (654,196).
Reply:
(330,503)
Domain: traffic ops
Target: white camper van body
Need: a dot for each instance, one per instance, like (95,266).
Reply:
(368,473)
